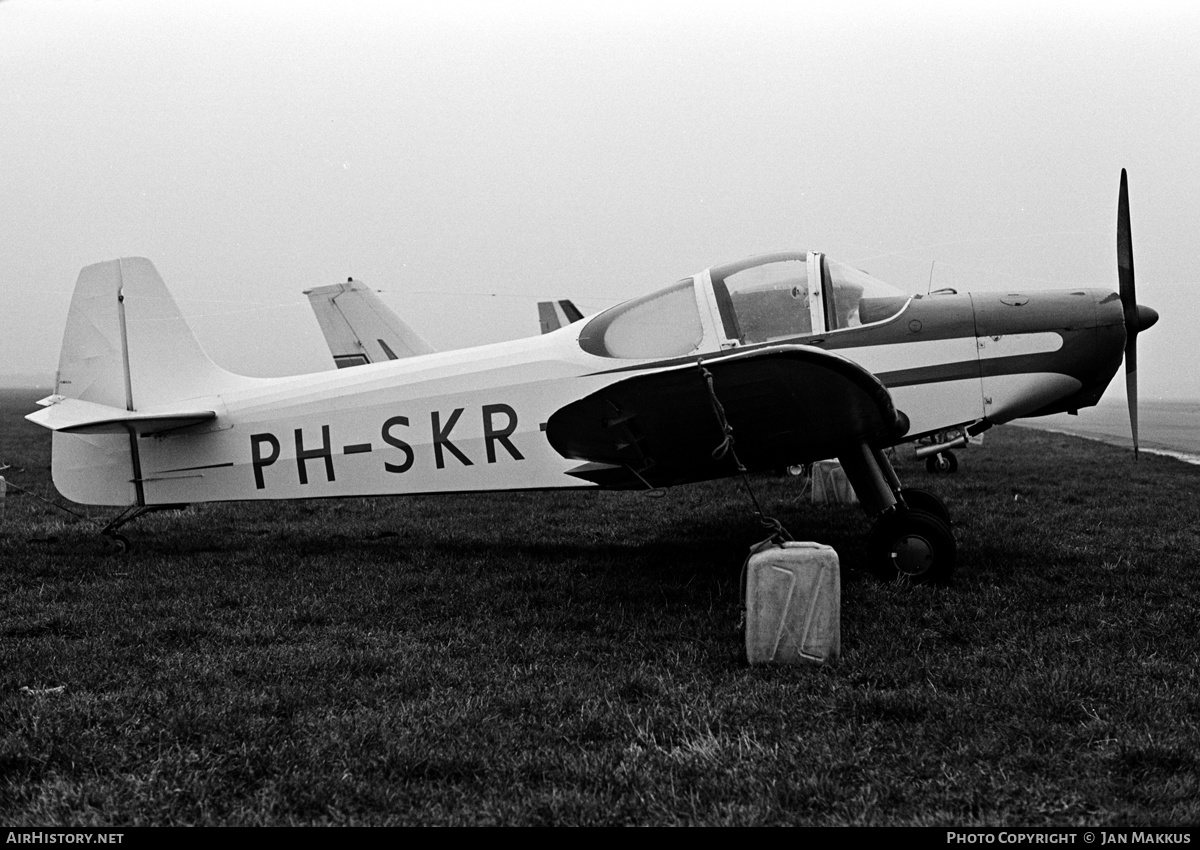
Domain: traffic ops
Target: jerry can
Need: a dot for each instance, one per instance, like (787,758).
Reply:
(793,603)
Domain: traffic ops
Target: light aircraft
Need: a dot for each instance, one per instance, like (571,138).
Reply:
(787,358)
(359,328)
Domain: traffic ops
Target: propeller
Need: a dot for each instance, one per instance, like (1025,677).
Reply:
(1137,317)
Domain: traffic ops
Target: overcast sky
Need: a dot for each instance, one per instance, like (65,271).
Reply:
(471,159)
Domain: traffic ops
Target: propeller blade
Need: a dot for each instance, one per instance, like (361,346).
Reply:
(1129,305)
(1125,254)
(1131,393)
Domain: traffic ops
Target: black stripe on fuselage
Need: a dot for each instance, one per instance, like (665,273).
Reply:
(961,371)
(194,468)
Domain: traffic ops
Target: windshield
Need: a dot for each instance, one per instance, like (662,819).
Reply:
(784,296)
(856,298)
(663,324)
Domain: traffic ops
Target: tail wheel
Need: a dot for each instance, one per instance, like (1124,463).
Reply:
(913,545)
(942,462)
(120,541)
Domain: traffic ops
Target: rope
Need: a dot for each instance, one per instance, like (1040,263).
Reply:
(651,491)
(50,503)
(726,447)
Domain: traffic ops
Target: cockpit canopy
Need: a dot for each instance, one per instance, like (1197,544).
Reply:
(662,324)
(782,296)
(768,298)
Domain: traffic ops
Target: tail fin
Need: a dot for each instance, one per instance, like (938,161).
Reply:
(557,314)
(126,345)
(129,365)
(359,328)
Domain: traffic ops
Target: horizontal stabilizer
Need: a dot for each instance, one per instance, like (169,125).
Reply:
(73,416)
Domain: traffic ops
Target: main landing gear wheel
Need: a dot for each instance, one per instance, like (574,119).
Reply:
(923,500)
(120,541)
(941,462)
(914,545)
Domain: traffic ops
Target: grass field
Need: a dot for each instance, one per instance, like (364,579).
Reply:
(574,658)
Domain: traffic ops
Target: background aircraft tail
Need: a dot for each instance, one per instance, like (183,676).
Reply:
(359,328)
(557,314)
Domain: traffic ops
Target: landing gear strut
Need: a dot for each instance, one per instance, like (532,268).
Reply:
(911,538)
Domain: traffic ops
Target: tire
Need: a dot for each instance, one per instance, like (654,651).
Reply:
(912,545)
(941,462)
(923,500)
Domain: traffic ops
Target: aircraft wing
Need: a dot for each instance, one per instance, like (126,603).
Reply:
(786,405)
